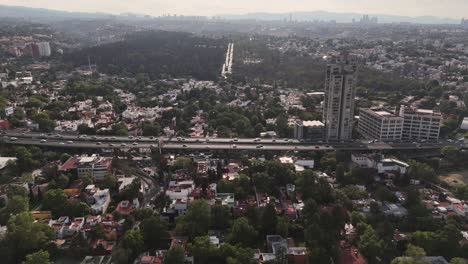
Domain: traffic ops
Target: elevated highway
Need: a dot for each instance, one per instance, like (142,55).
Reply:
(251,144)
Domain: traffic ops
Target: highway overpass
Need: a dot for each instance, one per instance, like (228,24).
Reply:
(251,144)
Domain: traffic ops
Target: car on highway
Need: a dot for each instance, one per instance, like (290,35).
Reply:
(135,144)
(184,146)
(69,142)
(113,138)
(235,139)
(259,146)
(257,140)
(94,137)
(62,143)
(179,138)
(43,141)
(234,146)
(111,145)
(98,143)
(123,145)
(13,139)
(207,140)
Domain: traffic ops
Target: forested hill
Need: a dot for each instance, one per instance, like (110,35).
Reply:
(160,54)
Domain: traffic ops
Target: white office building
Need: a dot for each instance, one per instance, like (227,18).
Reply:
(378,123)
(420,124)
(340,84)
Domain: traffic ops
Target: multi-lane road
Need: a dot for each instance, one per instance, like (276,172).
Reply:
(106,142)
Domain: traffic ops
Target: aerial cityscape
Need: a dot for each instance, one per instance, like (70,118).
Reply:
(301,137)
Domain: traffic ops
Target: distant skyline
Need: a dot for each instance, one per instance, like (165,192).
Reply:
(455,9)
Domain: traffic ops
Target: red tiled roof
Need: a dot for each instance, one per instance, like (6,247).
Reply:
(71,163)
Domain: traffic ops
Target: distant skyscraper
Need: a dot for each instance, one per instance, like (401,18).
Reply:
(464,22)
(44,49)
(340,89)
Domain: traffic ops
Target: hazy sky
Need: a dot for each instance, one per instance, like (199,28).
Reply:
(439,8)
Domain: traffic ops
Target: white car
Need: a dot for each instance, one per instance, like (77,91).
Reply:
(43,141)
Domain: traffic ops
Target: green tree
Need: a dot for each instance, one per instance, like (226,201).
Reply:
(141,214)
(269,220)
(121,255)
(197,219)
(154,230)
(237,254)
(133,242)
(220,217)
(62,181)
(175,255)
(183,163)
(371,245)
(282,227)
(414,251)
(109,182)
(17,204)
(422,171)
(458,261)
(242,233)
(25,236)
(56,201)
(39,257)
(353,192)
(151,129)
(204,251)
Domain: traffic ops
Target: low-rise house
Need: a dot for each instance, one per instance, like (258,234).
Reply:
(392,165)
(382,165)
(127,207)
(396,210)
(97,260)
(75,226)
(102,247)
(178,206)
(98,199)
(180,189)
(226,199)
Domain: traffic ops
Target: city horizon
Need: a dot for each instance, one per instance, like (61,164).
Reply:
(163,9)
